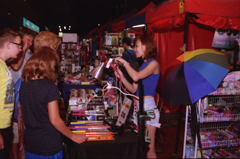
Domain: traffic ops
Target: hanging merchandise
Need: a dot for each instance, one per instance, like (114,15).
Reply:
(102,55)
(108,40)
(84,58)
(114,40)
(225,38)
(70,58)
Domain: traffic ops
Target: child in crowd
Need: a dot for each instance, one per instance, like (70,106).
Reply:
(39,98)
(44,38)
(149,72)
(10,46)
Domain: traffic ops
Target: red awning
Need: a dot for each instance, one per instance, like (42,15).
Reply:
(214,13)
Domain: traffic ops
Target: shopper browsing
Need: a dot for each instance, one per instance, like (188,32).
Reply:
(149,72)
(46,38)
(39,98)
(10,46)
(16,67)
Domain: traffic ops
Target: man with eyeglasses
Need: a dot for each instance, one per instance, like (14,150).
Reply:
(10,46)
(16,67)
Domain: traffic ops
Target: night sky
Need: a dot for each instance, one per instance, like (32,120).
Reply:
(82,15)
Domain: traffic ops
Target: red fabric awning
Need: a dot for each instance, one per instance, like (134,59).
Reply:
(99,31)
(218,21)
(90,33)
(119,25)
(165,10)
(214,13)
(225,8)
(209,20)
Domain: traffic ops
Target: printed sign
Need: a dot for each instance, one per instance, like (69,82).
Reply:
(124,111)
(70,37)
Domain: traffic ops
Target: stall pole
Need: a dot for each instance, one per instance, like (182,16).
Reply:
(141,122)
(185,132)
(180,107)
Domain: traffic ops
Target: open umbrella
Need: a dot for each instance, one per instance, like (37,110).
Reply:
(193,75)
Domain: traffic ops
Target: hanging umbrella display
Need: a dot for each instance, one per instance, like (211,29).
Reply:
(193,75)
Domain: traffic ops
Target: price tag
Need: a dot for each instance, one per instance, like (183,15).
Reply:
(124,111)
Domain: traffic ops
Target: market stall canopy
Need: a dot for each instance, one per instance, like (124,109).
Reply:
(216,13)
(119,25)
(99,31)
(90,34)
(108,28)
(138,18)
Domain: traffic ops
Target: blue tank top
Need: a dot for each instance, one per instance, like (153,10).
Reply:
(150,82)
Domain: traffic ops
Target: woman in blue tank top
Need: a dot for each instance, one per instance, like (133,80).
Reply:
(149,72)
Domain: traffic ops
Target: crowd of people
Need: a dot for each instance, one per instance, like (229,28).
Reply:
(30,124)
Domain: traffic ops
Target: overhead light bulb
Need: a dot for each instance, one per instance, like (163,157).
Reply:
(64,27)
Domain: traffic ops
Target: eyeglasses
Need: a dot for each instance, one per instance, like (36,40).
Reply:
(17,44)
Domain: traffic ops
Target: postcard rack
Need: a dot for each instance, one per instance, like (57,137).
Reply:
(216,121)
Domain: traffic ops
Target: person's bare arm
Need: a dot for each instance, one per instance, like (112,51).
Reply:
(152,67)
(17,63)
(58,123)
(131,87)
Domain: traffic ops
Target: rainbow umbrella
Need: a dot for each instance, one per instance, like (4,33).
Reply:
(193,75)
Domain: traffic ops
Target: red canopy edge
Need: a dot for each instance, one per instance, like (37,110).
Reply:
(219,21)
(171,8)
(90,33)
(99,31)
(227,8)
(209,20)
(149,6)
(119,26)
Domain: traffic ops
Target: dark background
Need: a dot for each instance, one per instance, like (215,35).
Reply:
(82,15)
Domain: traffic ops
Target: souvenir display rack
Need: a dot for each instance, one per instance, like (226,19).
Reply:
(71,58)
(223,107)
(113,43)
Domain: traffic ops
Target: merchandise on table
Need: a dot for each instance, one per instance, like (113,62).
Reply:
(85,104)
(93,130)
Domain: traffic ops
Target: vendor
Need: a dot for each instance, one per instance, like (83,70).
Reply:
(149,72)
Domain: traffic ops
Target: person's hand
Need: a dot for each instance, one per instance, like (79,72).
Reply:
(78,138)
(238,40)
(121,60)
(120,72)
(1,142)
(25,46)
